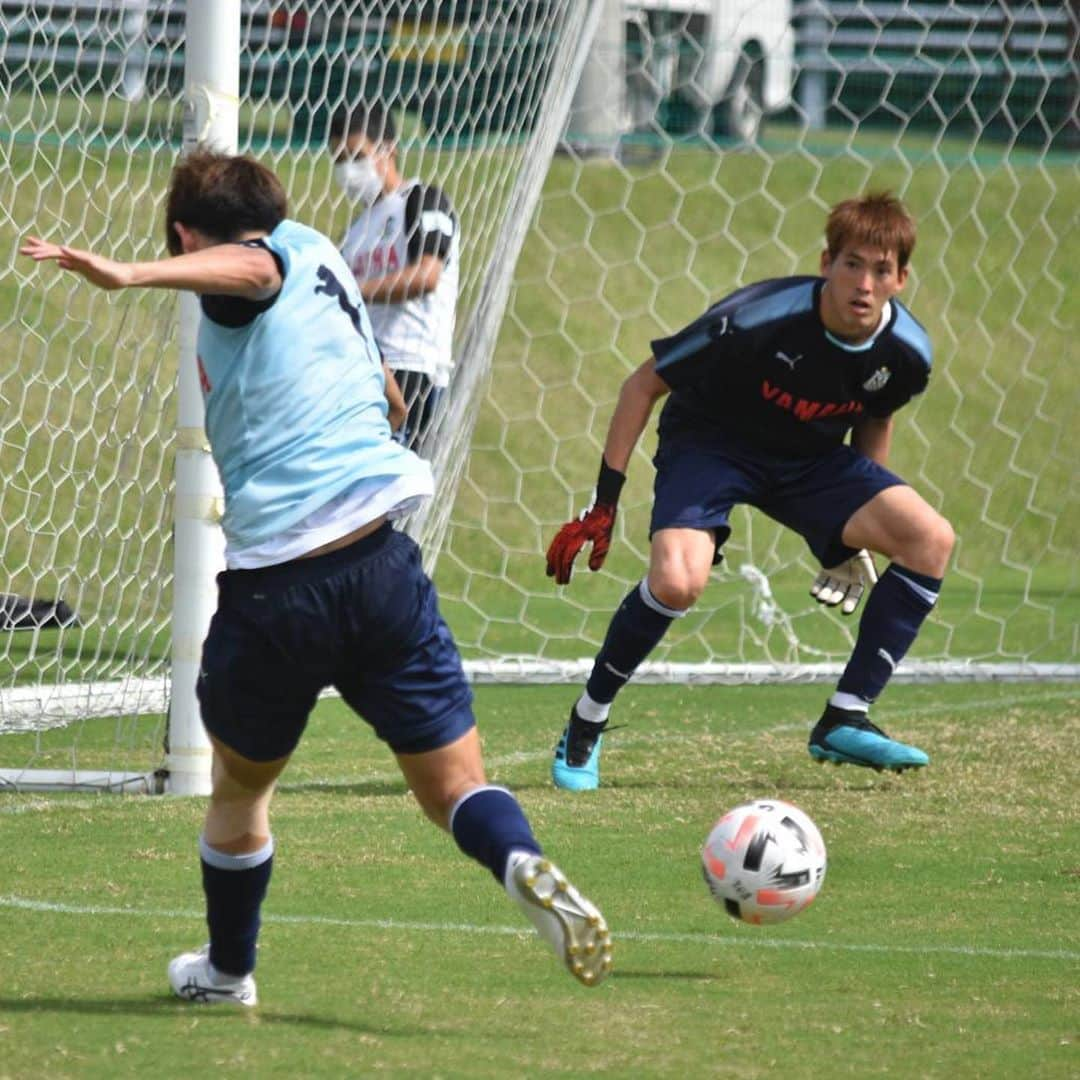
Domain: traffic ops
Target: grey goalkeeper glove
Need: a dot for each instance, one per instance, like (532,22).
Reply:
(846,583)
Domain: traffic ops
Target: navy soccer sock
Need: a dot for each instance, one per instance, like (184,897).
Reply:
(235,886)
(635,630)
(488,824)
(895,610)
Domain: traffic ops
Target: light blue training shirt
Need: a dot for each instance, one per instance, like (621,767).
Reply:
(296,411)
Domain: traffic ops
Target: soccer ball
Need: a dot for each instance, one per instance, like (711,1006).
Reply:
(764,861)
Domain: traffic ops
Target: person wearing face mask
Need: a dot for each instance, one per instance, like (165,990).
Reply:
(403,252)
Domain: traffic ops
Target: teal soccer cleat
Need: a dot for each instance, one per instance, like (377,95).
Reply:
(847,737)
(577,757)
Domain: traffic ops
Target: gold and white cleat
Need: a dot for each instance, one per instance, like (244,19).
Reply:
(566,920)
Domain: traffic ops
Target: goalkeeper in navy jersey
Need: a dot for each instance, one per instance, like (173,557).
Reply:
(763,391)
(319,590)
(402,249)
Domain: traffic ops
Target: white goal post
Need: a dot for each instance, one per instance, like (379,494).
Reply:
(615,166)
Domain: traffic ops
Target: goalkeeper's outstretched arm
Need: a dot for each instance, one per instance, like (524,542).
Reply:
(638,395)
(872,437)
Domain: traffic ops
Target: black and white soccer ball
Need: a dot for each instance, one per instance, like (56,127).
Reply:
(764,861)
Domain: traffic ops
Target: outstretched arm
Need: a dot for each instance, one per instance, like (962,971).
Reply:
(222,269)
(397,410)
(638,395)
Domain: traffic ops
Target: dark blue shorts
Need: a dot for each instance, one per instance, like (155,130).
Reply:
(423,402)
(699,481)
(363,619)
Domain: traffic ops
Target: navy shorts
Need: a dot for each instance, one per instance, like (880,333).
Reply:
(423,401)
(363,619)
(699,481)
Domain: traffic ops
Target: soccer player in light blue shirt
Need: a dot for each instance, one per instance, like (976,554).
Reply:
(319,589)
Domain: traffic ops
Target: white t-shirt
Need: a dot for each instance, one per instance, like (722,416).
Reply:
(396,231)
(360,505)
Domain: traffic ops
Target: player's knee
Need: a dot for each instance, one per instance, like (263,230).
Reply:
(940,542)
(237,821)
(946,537)
(679,565)
(933,549)
(677,590)
(438,797)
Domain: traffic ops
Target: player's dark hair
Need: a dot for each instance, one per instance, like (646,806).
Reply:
(368,118)
(223,196)
(878,219)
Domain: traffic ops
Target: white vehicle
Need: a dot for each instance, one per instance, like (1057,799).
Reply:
(732,60)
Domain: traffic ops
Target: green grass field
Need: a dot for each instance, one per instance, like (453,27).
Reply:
(945,941)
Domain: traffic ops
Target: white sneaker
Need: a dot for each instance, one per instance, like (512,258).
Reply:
(193,978)
(568,922)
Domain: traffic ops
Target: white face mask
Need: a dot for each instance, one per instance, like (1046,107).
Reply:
(359,179)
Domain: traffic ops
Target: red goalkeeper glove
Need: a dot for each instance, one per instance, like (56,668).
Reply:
(594,526)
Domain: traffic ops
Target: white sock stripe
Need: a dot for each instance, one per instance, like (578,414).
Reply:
(595,712)
(851,702)
(469,794)
(222,860)
(650,601)
(925,594)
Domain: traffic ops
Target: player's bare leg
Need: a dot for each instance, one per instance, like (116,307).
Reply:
(679,564)
(489,825)
(439,778)
(900,524)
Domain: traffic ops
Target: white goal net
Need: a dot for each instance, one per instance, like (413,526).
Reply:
(705,144)
(742,123)
(93,116)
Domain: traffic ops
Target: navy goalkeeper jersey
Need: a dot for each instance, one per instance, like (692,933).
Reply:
(761,367)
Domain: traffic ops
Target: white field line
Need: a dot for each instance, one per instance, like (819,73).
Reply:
(755,942)
(465,928)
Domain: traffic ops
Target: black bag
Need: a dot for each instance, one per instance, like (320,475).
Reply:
(18,613)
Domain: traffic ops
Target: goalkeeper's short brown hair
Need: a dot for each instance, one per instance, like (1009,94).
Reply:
(877,218)
(223,196)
